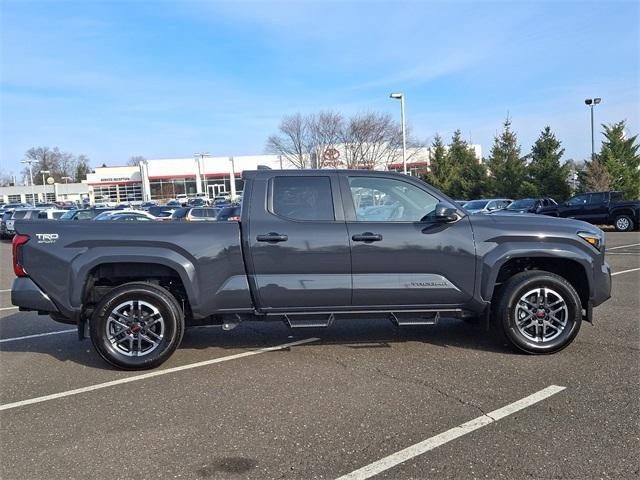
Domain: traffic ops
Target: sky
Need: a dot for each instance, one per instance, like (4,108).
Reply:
(166,79)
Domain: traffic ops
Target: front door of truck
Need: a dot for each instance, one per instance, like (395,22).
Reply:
(398,257)
(300,256)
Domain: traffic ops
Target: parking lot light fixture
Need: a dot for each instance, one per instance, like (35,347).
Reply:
(592,102)
(30,162)
(400,96)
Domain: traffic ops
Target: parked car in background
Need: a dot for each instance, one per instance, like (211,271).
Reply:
(221,200)
(599,208)
(174,203)
(526,205)
(19,214)
(47,205)
(195,214)
(130,214)
(461,202)
(84,214)
(51,214)
(10,207)
(231,213)
(67,205)
(4,218)
(487,205)
(147,205)
(182,198)
(160,211)
(198,202)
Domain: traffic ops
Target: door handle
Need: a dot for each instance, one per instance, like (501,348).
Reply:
(272,237)
(367,237)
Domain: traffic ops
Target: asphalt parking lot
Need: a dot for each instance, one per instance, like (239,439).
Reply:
(341,399)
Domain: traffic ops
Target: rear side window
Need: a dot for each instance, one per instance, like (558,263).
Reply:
(303,198)
(19,215)
(197,212)
(596,198)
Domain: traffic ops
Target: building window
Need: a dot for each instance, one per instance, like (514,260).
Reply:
(50,197)
(14,198)
(29,198)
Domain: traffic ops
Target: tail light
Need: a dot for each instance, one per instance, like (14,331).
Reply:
(18,241)
(234,218)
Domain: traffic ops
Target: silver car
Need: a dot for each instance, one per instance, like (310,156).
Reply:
(487,205)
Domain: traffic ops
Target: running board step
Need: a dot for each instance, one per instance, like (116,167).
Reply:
(414,321)
(309,321)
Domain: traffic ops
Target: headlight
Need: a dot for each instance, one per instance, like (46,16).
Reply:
(592,239)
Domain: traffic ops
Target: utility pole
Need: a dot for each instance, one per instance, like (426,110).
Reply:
(592,102)
(30,162)
(400,96)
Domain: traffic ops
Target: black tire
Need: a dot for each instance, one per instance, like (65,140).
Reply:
(623,223)
(156,328)
(511,306)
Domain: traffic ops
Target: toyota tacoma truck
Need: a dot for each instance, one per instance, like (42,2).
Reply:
(600,208)
(311,247)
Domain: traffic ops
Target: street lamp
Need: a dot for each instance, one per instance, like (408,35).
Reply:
(400,96)
(592,102)
(200,170)
(66,179)
(44,185)
(30,162)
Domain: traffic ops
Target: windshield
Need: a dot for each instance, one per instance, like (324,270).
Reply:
(522,204)
(476,204)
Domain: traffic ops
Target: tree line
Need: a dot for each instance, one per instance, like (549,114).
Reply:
(373,140)
(62,166)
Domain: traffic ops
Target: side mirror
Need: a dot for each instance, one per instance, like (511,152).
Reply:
(446,212)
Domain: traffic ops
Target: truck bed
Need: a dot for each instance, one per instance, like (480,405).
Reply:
(206,257)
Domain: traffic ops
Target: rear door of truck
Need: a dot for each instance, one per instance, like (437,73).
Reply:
(296,236)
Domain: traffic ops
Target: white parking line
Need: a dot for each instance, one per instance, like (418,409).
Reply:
(8,308)
(445,437)
(622,246)
(58,332)
(157,373)
(625,271)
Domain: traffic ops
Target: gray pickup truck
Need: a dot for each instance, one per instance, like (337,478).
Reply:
(311,247)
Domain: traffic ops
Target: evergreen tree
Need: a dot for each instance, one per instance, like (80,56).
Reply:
(508,173)
(468,175)
(440,174)
(620,157)
(546,173)
(82,168)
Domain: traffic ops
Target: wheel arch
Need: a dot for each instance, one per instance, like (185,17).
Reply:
(167,269)
(570,266)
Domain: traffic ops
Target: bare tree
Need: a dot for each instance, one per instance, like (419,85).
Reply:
(595,177)
(365,141)
(135,160)
(324,134)
(291,141)
(59,164)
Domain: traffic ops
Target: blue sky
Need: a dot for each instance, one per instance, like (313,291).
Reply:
(166,79)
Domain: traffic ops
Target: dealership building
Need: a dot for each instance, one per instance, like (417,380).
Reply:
(164,179)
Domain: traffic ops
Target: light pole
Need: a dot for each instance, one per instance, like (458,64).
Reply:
(30,162)
(400,96)
(66,179)
(200,170)
(592,102)
(44,184)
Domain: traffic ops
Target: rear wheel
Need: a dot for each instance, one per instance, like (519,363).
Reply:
(539,312)
(137,326)
(624,223)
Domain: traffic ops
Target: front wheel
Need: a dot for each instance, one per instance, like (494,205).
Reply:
(540,312)
(623,223)
(137,326)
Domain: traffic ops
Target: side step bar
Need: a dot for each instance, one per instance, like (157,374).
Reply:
(309,322)
(415,321)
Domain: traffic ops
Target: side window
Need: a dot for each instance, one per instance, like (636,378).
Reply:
(578,200)
(197,212)
(596,198)
(42,215)
(379,199)
(303,198)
